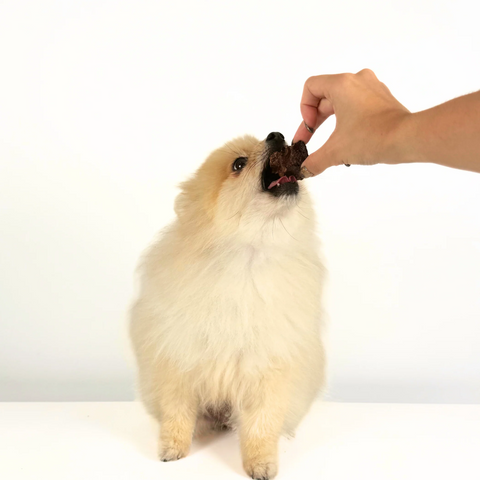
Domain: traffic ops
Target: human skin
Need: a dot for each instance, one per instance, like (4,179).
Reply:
(372,126)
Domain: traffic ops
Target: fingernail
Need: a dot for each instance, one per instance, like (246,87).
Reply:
(306,173)
(310,129)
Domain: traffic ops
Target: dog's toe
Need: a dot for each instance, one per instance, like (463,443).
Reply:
(262,471)
(170,454)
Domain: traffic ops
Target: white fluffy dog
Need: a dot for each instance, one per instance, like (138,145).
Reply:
(226,328)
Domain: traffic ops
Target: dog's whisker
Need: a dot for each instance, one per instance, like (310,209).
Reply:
(286,229)
(300,210)
(234,215)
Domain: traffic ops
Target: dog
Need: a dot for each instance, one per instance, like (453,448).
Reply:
(226,329)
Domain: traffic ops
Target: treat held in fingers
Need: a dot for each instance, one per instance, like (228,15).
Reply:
(287,163)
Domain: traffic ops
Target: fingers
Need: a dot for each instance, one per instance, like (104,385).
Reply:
(309,114)
(302,134)
(317,162)
(363,106)
(315,107)
(317,88)
(322,112)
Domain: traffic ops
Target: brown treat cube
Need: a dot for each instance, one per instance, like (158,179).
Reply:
(289,160)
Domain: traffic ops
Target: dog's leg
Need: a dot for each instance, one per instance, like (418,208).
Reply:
(178,413)
(261,421)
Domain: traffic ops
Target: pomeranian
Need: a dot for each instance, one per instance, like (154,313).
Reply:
(226,328)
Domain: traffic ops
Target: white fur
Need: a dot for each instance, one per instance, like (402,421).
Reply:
(230,297)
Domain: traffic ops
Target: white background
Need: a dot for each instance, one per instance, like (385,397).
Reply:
(106,106)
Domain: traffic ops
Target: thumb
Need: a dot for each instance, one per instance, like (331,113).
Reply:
(326,156)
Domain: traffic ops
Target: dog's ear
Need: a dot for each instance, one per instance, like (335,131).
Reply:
(180,204)
(198,194)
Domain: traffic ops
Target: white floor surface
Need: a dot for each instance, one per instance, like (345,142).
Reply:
(336,441)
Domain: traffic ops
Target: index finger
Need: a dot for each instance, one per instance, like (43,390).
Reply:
(324,110)
(316,105)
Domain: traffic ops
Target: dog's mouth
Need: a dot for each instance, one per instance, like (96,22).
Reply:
(275,184)
(282,180)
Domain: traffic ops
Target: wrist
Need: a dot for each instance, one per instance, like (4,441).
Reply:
(402,140)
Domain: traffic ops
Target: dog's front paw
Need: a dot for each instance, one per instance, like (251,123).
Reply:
(261,470)
(172,452)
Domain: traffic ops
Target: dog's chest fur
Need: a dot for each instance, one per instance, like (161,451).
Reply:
(239,301)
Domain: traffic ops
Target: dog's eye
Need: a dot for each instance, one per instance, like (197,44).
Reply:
(239,163)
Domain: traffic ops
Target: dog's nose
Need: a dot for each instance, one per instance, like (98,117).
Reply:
(275,137)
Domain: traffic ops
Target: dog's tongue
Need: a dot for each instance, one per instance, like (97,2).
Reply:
(281,180)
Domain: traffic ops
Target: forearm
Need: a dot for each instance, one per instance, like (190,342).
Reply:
(448,134)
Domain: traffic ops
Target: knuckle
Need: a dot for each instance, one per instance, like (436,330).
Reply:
(384,87)
(310,80)
(366,72)
(345,79)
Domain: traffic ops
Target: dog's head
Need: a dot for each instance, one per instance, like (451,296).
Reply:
(236,181)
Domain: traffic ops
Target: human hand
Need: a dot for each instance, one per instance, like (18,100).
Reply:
(368,120)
